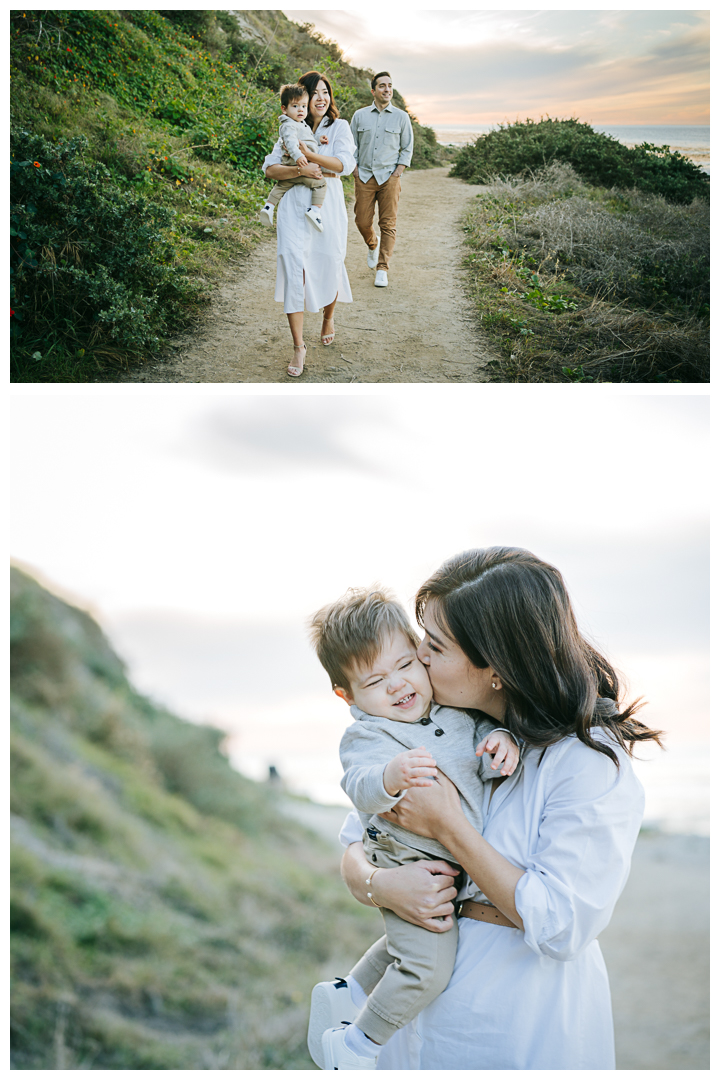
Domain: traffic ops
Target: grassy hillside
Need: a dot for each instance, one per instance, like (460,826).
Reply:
(164,914)
(136,141)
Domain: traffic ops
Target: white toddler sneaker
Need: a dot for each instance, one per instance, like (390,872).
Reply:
(381,279)
(337,1055)
(374,255)
(330,1004)
(266,214)
(314,217)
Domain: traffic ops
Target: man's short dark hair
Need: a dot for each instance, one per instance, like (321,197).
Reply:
(292,92)
(379,76)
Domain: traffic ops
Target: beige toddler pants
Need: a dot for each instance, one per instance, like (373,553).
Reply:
(319,187)
(407,968)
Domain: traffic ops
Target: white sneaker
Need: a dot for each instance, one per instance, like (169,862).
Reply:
(266,214)
(313,216)
(337,1056)
(330,1004)
(374,254)
(381,278)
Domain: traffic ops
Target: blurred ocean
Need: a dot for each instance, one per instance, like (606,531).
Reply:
(676,780)
(691,140)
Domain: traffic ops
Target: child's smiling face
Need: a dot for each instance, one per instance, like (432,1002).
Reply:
(395,686)
(297,109)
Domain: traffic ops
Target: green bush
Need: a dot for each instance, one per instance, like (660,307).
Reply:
(522,147)
(92,270)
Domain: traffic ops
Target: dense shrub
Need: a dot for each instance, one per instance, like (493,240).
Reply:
(91,266)
(600,159)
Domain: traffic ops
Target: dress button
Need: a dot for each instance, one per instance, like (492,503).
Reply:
(374,858)
(426,720)
(439,731)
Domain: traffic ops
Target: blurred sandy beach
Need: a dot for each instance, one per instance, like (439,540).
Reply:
(656,947)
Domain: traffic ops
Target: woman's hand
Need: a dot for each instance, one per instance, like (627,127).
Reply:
(426,811)
(419,892)
(310,169)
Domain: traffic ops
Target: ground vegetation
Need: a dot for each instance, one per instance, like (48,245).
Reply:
(164,913)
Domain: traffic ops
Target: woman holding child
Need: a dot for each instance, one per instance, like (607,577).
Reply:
(529,989)
(311,264)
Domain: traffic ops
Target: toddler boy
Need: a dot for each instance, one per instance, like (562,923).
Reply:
(293,130)
(368,648)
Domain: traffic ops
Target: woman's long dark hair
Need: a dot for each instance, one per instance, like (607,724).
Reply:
(507,609)
(310,80)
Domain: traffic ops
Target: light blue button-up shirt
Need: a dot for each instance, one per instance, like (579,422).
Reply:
(383,139)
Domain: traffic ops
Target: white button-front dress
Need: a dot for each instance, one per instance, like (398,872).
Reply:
(300,246)
(538,998)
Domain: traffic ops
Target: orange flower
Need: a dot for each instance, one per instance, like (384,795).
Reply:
(36,164)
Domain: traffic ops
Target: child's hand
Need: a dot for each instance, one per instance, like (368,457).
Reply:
(412,768)
(302,160)
(323,139)
(503,748)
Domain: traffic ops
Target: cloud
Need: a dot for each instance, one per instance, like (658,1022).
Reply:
(486,66)
(280,434)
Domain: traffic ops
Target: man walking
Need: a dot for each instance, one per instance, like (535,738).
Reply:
(384,139)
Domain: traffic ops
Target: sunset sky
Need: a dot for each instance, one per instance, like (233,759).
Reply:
(483,67)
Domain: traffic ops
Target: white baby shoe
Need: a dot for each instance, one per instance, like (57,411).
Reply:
(313,216)
(338,1056)
(266,214)
(330,1004)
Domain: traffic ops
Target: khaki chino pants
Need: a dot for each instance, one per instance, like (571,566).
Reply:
(409,967)
(387,197)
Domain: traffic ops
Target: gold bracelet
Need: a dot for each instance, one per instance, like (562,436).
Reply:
(368,881)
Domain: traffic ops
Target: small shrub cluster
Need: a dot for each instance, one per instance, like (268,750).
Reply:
(597,158)
(93,271)
(587,284)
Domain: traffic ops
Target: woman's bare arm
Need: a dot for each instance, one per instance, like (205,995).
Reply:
(418,892)
(332,164)
(437,812)
(290,172)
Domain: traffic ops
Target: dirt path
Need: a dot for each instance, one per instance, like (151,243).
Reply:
(416,330)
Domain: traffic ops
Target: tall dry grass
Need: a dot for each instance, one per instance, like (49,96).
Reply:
(590,284)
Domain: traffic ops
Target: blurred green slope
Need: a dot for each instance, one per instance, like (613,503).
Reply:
(164,914)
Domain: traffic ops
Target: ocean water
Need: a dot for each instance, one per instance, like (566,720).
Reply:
(691,140)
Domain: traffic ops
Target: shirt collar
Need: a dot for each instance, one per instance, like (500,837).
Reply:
(388,108)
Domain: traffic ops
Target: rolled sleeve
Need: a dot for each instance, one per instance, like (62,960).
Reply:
(340,145)
(581,862)
(352,830)
(274,157)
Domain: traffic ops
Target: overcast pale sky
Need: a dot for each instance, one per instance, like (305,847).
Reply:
(486,66)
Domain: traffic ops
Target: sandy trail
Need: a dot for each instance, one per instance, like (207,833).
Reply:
(418,329)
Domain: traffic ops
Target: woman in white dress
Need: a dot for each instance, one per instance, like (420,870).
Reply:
(310,264)
(529,989)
